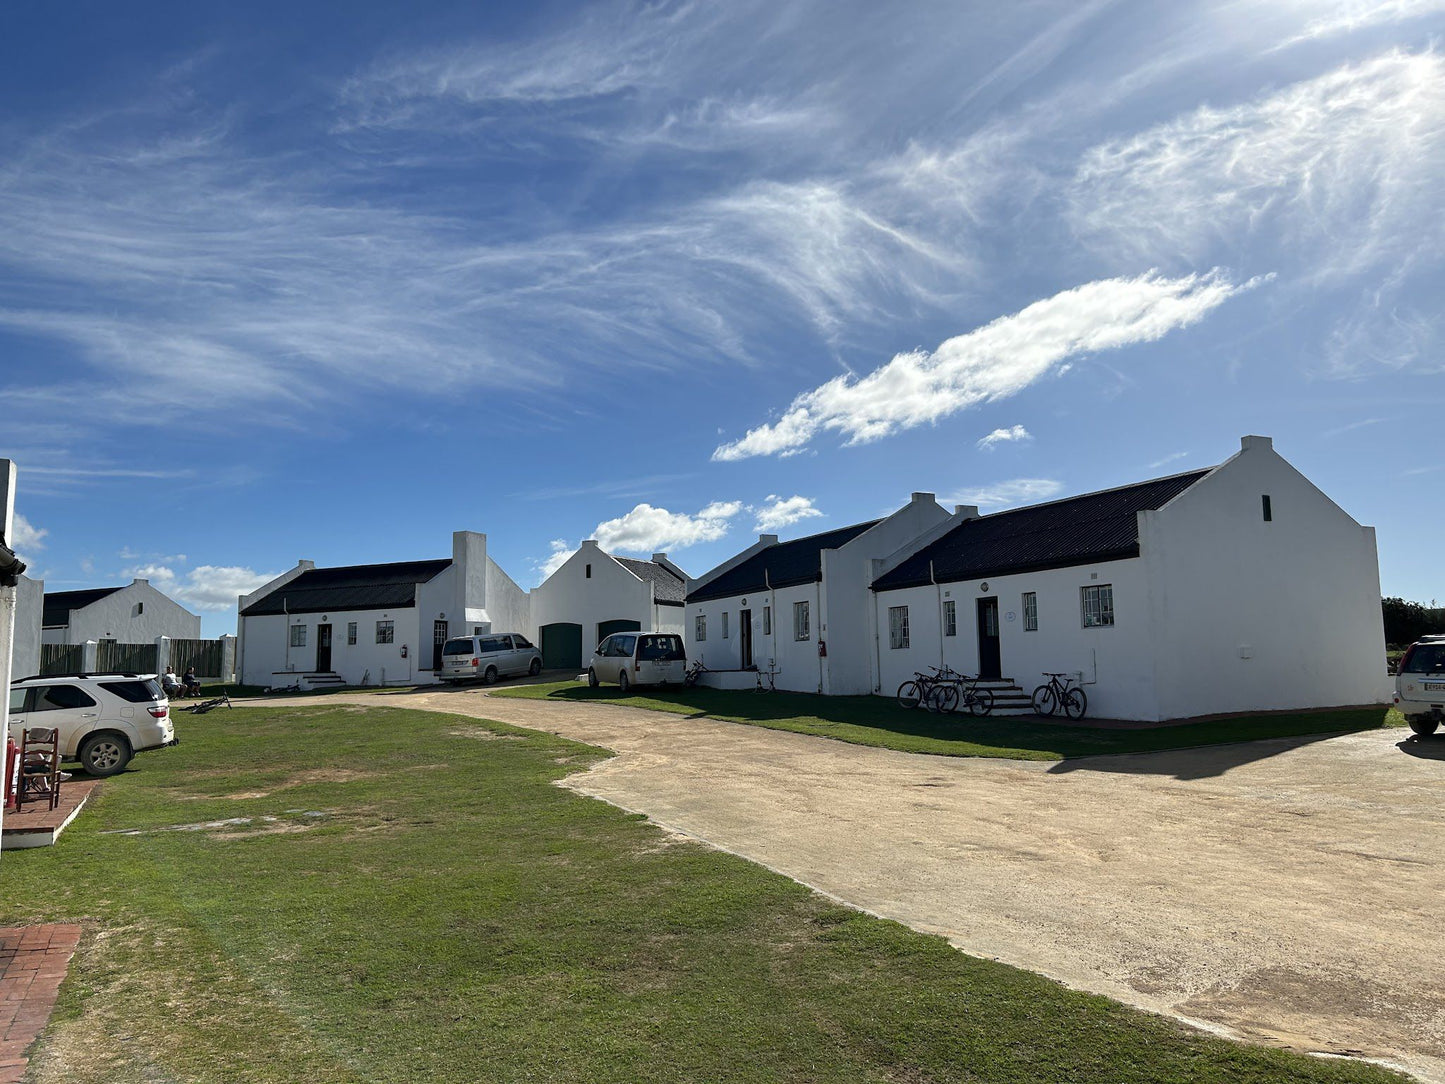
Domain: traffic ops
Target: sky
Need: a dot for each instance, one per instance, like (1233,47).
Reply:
(331,281)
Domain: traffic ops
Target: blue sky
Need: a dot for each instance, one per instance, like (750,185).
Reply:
(333,280)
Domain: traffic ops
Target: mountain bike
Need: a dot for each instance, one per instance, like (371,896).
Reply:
(959,690)
(915,692)
(1055,694)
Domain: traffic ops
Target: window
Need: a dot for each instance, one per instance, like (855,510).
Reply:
(897,627)
(626,645)
(491,644)
(1031,611)
(802,630)
(351,633)
(521,642)
(140,607)
(662,649)
(950,619)
(1264,504)
(17,700)
(699,627)
(1098,606)
(589,572)
(767,620)
(60,698)
(725,625)
(134,692)
(298,635)
(385,632)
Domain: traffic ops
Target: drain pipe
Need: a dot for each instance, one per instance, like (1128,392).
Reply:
(773,610)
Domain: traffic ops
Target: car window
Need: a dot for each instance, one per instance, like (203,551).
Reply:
(494,643)
(459,647)
(1425,659)
(61,698)
(522,641)
(604,648)
(661,649)
(625,645)
(17,700)
(135,692)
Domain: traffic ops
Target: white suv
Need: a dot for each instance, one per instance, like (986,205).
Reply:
(103,719)
(1420,684)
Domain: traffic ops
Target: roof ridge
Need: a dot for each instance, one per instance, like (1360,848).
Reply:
(1201,471)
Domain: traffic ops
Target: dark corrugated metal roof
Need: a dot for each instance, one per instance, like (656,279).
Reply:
(1074,531)
(666,586)
(783,565)
(55,610)
(355,587)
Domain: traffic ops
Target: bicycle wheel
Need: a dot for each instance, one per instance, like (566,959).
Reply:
(1045,703)
(945,699)
(909,695)
(1075,703)
(980,702)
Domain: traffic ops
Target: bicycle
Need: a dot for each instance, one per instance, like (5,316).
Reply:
(767,681)
(915,692)
(692,673)
(960,690)
(1055,694)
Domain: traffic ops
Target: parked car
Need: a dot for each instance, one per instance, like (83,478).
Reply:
(103,719)
(1420,684)
(488,657)
(638,658)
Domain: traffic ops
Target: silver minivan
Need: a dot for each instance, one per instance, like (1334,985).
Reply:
(487,657)
(638,658)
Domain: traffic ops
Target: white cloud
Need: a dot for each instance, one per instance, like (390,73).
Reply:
(25,537)
(1350,15)
(1017,491)
(561,550)
(1347,164)
(206,587)
(992,362)
(1172,457)
(646,529)
(1004,436)
(783,511)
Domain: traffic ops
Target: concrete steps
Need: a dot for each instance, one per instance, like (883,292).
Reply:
(1008,697)
(327,680)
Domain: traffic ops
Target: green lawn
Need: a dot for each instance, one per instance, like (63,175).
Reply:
(876,720)
(426,906)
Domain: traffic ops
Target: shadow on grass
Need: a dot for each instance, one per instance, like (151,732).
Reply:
(876,721)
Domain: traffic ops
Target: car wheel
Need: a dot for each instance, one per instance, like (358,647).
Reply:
(592,677)
(1424,725)
(490,677)
(536,667)
(622,682)
(104,753)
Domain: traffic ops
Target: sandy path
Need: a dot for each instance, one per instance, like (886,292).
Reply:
(1284,891)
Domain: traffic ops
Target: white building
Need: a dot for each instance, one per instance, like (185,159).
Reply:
(374,624)
(1237,588)
(800,609)
(134,614)
(595,594)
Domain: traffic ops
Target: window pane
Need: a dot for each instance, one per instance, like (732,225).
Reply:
(61,697)
(950,619)
(767,620)
(898,627)
(17,700)
(384,632)
(802,630)
(699,627)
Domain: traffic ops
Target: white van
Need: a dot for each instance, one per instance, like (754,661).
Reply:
(638,658)
(488,657)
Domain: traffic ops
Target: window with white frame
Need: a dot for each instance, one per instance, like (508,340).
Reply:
(699,627)
(767,620)
(802,628)
(724,624)
(897,627)
(385,632)
(1098,606)
(950,619)
(351,633)
(298,635)
(1031,611)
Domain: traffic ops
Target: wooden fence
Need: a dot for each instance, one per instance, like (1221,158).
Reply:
(111,657)
(61,658)
(204,655)
(207,656)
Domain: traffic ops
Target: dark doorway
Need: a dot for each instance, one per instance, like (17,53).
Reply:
(561,646)
(323,649)
(990,665)
(745,638)
(438,638)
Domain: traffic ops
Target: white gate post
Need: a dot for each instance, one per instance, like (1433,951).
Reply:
(90,657)
(163,653)
(228,659)
(7,604)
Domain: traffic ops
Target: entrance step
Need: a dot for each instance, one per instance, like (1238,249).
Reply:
(324,679)
(1008,697)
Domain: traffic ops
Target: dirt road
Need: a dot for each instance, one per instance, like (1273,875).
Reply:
(1284,891)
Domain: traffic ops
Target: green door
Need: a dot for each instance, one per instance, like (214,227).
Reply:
(607,628)
(562,646)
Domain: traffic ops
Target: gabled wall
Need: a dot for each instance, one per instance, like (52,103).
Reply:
(612,593)
(135,614)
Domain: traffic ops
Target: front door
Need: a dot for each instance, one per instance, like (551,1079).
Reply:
(990,666)
(745,638)
(438,638)
(323,649)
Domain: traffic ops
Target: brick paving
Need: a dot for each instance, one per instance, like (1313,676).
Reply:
(33,962)
(39,817)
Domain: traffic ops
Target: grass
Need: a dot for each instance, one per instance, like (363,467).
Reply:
(878,721)
(453,917)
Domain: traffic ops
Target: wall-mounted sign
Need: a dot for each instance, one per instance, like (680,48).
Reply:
(1009,616)
(983,587)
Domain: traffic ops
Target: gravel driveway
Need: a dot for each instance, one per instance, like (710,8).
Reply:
(1285,891)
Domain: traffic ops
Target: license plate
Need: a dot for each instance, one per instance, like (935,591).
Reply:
(1433,686)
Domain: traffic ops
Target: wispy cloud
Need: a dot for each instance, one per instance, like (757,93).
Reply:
(990,363)
(560,551)
(1339,430)
(778,512)
(1016,491)
(25,537)
(1352,15)
(1011,435)
(212,588)
(1172,457)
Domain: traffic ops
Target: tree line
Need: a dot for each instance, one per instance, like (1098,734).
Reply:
(1406,622)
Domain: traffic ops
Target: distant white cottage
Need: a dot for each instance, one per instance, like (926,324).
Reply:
(1237,588)
(595,594)
(136,613)
(374,624)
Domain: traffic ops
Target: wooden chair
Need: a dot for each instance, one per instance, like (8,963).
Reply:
(39,767)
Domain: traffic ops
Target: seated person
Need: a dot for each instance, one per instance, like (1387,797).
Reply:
(170,683)
(191,682)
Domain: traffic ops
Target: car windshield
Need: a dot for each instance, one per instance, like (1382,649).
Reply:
(137,692)
(458,647)
(661,649)
(1425,659)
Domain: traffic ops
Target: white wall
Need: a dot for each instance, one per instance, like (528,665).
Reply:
(508,605)
(115,617)
(29,604)
(268,655)
(1121,655)
(796,661)
(611,593)
(1299,595)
